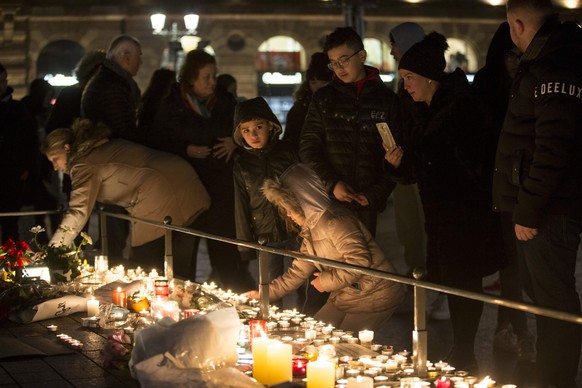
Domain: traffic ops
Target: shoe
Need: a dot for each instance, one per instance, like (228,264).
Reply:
(526,347)
(439,310)
(505,340)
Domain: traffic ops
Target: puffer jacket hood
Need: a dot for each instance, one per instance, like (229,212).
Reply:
(302,183)
(255,108)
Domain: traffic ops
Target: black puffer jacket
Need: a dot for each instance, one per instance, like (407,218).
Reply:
(451,158)
(340,140)
(111,97)
(255,216)
(538,167)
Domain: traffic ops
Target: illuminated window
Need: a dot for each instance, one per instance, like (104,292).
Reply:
(379,55)
(461,54)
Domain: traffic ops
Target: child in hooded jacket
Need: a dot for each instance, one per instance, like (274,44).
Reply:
(257,131)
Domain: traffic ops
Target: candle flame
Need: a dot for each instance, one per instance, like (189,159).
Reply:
(118,289)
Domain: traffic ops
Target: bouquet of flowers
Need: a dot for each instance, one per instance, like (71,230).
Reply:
(60,257)
(13,257)
(117,351)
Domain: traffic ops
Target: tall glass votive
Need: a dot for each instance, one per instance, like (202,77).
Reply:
(101,264)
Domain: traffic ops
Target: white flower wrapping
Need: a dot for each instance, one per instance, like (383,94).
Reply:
(197,349)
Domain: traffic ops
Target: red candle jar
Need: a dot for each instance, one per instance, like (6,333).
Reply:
(161,288)
(119,297)
(443,382)
(257,328)
(190,312)
(299,366)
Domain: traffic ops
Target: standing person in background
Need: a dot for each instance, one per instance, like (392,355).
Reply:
(493,84)
(340,140)
(42,189)
(159,88)
(229,83)
(257,130)
(195,122)
(538,176)
(111,97)
(450,156)
(18,144)
(317,76)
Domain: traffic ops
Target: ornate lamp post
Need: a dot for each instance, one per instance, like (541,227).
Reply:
(174,34)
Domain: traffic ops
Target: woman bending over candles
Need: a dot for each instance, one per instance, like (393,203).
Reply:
(329,231)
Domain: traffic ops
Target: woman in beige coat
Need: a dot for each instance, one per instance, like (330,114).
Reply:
(147,183)
(356,301)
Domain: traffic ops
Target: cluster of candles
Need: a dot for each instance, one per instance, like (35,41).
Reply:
(70,341)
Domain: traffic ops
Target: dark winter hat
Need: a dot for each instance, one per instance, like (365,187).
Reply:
(407,34)
(318,69)
(253,109)
(427,57)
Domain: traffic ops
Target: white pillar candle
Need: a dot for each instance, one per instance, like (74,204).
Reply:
(366,336)
(279,363)
(320,374)
(92,307)
(360,382)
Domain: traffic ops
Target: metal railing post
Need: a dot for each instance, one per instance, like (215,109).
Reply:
(264,280)
(419,334)
(103,230)
(168,253)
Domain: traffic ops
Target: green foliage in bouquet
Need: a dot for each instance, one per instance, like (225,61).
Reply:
(59,256)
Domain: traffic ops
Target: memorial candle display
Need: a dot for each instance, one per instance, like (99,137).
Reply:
(92,307)
(320,374)
(360,382)
(119,297)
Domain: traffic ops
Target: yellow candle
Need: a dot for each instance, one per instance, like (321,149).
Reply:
(92,307)
(260,367)
(320,374)
(279,362)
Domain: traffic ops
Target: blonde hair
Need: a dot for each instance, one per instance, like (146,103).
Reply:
(56,140)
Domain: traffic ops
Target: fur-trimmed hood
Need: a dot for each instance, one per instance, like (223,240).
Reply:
(300,186)
(86,136)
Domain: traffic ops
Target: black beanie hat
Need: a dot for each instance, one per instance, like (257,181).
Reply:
(318,68)
(427,57)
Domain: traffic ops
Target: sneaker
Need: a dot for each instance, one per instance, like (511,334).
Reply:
(526,347)
(505,340)
(439,310)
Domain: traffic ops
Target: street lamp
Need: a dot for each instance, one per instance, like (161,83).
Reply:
(174,34)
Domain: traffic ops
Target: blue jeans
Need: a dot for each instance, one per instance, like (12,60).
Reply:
(548,263)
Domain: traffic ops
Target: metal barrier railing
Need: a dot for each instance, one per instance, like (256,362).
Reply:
(419,335)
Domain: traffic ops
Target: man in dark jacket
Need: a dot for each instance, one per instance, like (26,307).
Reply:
(112,95)
(340,140)
(538,175)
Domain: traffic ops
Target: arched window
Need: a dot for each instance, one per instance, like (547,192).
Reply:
(57,61)
(279,63)
(379,57)
(461,54)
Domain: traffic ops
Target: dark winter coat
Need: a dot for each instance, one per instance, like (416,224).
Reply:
(296,115)
(340,140)
(538,167)
(256,217)
(111,97)
(451,159)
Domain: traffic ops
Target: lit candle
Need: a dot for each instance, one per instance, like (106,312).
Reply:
(257,328)
(310,334)
(320,374)
(101,264)
(360,382)
(92,307)
(279,363)
(161,288)
(119,297)
(260,367)
(52,328)
(366,336)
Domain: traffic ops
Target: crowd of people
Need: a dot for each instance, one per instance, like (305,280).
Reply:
(485,177)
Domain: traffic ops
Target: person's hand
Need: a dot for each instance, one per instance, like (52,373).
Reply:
(253,294)
(198,152)
(316,283)
(344,193)
(224,148)
(362,199)
(523,233)
(394,156)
